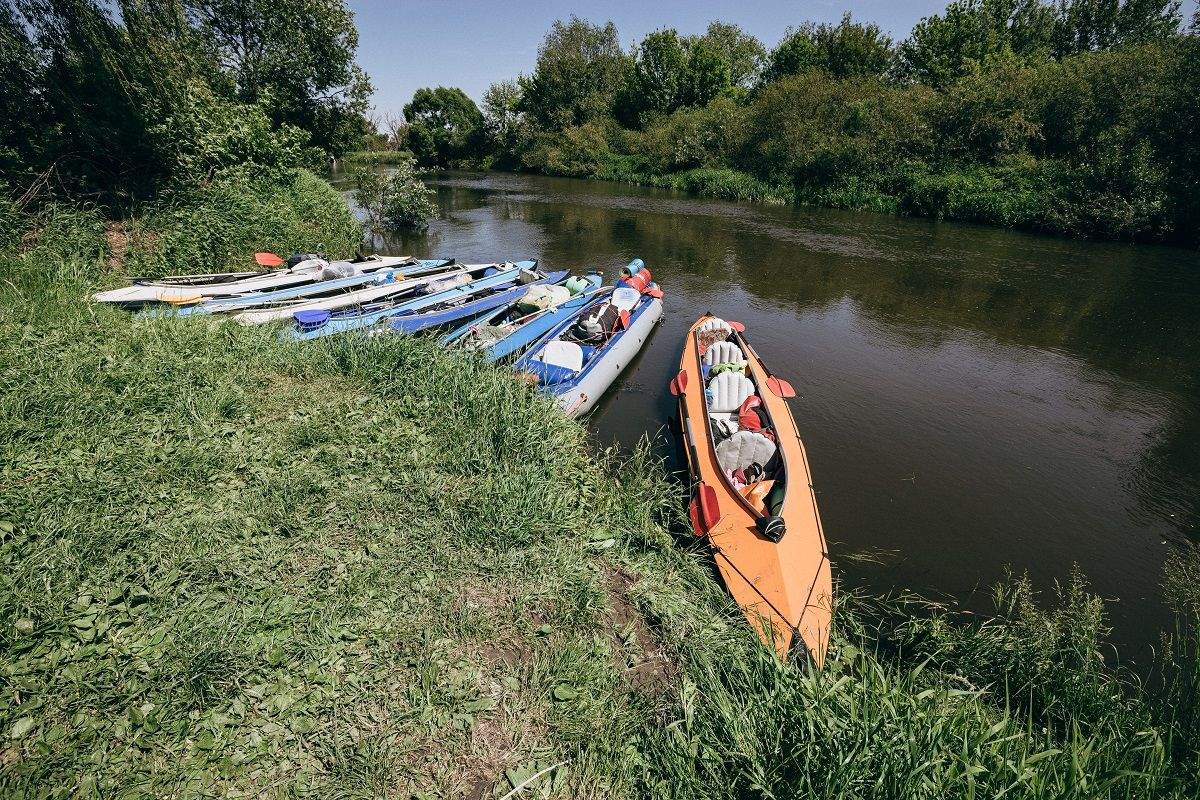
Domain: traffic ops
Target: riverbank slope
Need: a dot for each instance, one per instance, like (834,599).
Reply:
(371,567)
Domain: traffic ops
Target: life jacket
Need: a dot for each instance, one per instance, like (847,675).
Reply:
(752,417)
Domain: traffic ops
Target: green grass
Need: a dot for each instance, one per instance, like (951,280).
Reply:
(722,183)
(378,157)
(369,567)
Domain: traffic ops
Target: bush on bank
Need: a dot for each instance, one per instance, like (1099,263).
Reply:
(221,225)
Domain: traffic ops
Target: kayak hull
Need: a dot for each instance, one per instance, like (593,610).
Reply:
(414,323)
(785,587)
(188,287)
(413,281)
(579,393)
(356,320)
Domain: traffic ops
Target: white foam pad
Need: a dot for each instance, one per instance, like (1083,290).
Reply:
(625,298)
(743,449)
(567,355)
(724,353)
(729,390)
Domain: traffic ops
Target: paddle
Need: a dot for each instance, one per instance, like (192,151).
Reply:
(268,260)
(780,387)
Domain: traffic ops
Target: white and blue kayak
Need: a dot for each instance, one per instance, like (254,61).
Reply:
(386,289)
(329,285)
(454,309)
(510,330)
(197,288)
(315,324)
(575,365)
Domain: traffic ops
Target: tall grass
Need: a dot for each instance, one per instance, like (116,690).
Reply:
(370,567)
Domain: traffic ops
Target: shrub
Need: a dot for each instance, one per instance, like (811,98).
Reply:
(695,137)
(214,228)
(395,200)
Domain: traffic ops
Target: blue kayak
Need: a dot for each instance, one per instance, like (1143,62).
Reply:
(314,289)
(315,324)
(409,321)
(516,333)
(576,373)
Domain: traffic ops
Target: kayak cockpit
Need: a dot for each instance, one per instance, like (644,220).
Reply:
(740,429)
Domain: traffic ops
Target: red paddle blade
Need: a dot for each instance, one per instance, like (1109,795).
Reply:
(780,387)
(679,383)
(268,260)
(737,326)
(654,292)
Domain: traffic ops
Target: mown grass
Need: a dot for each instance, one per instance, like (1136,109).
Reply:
(373,568)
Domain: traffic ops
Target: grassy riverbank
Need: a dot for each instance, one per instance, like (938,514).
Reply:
(373,568)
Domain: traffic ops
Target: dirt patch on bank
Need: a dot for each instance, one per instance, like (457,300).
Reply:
(647,667)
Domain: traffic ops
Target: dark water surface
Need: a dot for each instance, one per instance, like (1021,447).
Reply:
(972,399)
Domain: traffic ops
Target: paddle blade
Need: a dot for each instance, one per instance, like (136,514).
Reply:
(268,260)
(654,292)
(737,326)
(679,383)
(780,388)
(182,299)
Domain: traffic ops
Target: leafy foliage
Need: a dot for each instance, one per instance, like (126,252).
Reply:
(580,68)
(1076,117)
(846,50)
(396,199)
(444,126)
(221,225)
(120,101)
(295,58)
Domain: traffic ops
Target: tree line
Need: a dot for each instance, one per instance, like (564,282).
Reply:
(122,100)
(1075,116)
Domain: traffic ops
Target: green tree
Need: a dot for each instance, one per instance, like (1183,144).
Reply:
(1085,25)
(708,73)
(23,117)
(503,121)
(293,57)
(972,34)
(658,81)
(846,50)
(742,53)
(444,126)
(580,68)
(395,199)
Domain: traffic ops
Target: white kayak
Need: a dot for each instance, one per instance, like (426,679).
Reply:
(358,297)
(167,290)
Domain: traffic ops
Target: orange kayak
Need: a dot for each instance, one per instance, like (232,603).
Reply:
(753,496)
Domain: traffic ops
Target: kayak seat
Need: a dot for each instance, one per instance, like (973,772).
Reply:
(560,353)
(587,351)
(624,298)
(744,448)
(727,391)
(724,353)
(715,324)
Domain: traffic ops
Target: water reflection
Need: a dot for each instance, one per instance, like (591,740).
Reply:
(972,399)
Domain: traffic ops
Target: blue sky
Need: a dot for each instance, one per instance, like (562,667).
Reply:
(407,44)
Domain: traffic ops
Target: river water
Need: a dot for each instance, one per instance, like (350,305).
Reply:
(973,400)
